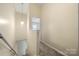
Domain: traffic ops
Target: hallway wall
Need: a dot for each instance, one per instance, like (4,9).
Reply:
(7,24)
(34,11)
(59,26)
(20,29)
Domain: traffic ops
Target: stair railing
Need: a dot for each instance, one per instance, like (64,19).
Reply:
(13,52)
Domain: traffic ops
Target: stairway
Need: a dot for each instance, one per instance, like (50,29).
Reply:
(5,48)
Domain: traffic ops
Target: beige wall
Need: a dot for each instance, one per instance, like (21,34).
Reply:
(7,24)
(13,31)
(20,29)
(34,11)
(59,25)
(25,31)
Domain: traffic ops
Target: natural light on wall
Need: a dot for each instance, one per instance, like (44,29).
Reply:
(22,22)
(3,21)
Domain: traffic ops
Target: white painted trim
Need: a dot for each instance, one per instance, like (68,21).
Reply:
(61,52)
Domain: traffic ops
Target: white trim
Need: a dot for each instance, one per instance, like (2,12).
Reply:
(61,52)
